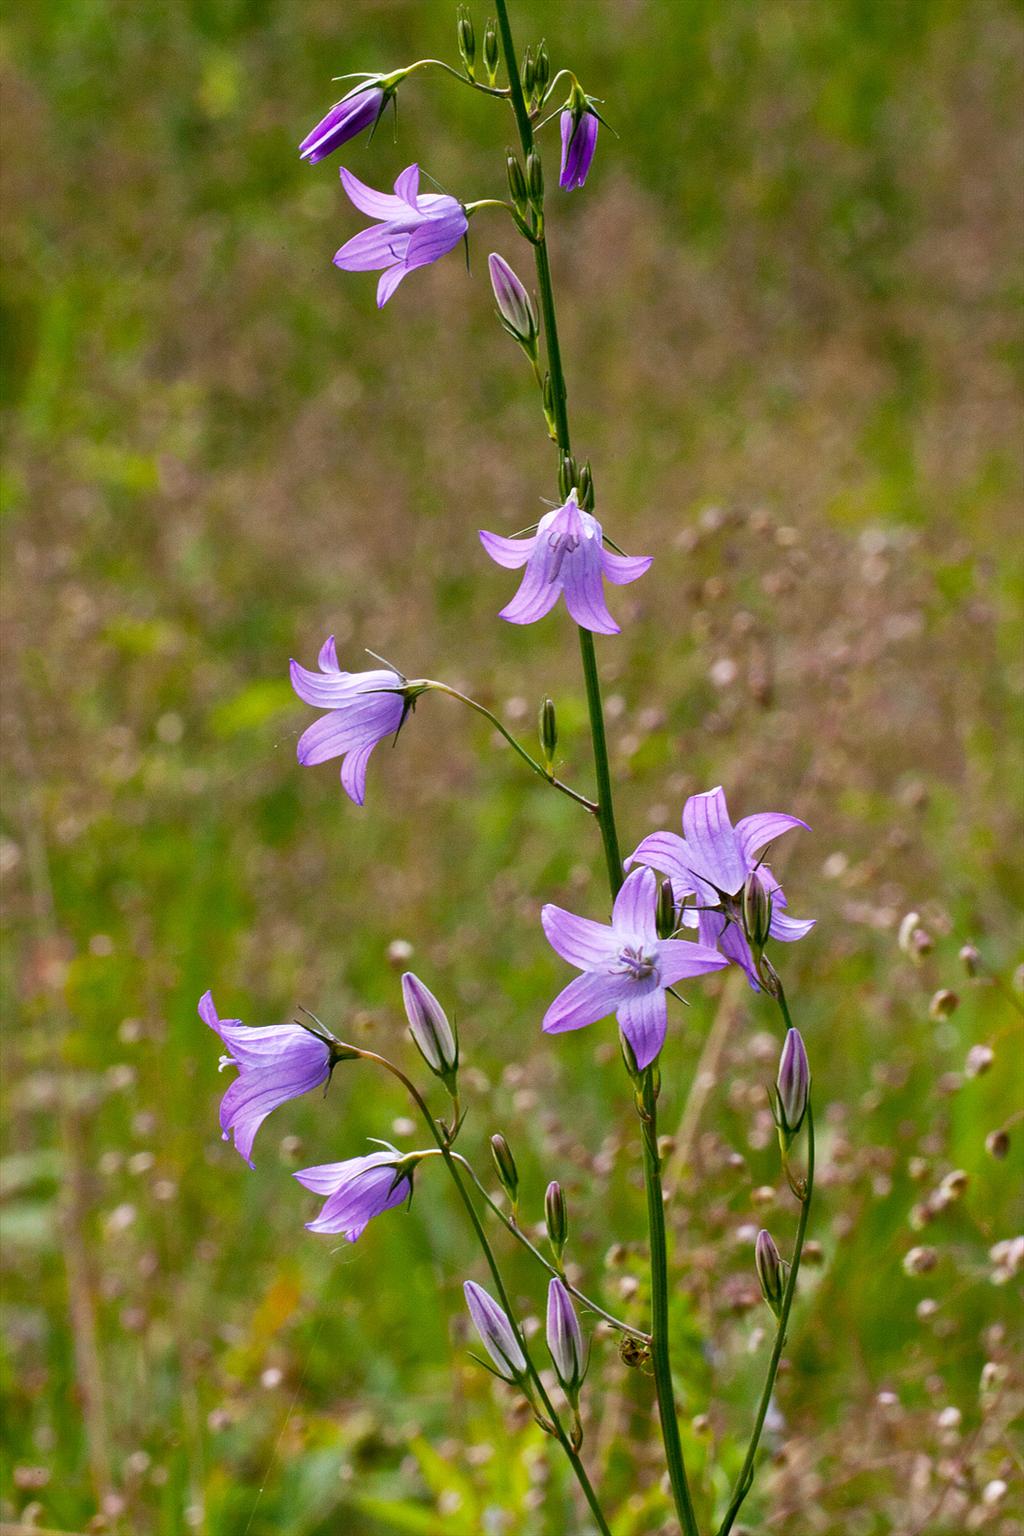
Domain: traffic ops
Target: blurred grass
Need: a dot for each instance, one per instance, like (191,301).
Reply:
(790,300)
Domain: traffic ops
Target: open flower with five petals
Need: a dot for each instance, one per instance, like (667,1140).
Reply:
(413,229)
(359,1189)
(711,862)
(362,708)
(626,967)
(565,555)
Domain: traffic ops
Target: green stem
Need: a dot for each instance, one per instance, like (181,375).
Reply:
(746,1477)
(538,1386)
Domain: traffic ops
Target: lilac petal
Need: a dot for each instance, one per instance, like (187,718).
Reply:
(643,1019)
(353,1206)
(788,929)
(353,773)
(347,118)
(536,595)
(622,569)
(582,584)
(408,185)
(679,959)
(586,999)
(379,205)
(257,1048)
(389,281)
(668,852)
(753,832)
(371,249)
(325,1178)
(208,1013)
(254,1095)
(579,140)
(435,237)
(732,942)
(327,660)
(334,690)
(709,832)
(511,553)
(588,945)
(633,915)
(363,721)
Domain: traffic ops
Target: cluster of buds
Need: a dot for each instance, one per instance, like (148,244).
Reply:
(466,37)
(535,72)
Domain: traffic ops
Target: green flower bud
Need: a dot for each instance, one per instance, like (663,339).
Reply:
(586,488)
(771,1271)
(757,911)
(556,1217)
(547,726)
(467,39)
(491,51)
(535,178)
(505,1165)
(665,912)
(516,181)
(542,69)
(528,74)
(568,474)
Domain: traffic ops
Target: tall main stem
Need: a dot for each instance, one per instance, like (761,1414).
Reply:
(660,1357)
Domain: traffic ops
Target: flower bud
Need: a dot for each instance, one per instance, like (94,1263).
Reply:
(467,39)
(547,726)
(568,474)
(792,1086)
(542,69)
(757,911)
(771,1271)
(429,1026)
(491,51)
(665,911)
(556,1217)
(970,959)
(516,181)
(944,1003)
(586,487)
(565,1340)
(535,178)
(515,307)
(528,73)
(496,1332)
(505,1164)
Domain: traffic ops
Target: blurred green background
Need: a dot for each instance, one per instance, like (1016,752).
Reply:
(790,308)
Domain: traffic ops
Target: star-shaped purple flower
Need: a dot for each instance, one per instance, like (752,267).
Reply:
(625,966)
(358,109)
(277,1063)
(414,229)
(565,555)
(358,1189)
(711,862)
(579,141)
(363,708)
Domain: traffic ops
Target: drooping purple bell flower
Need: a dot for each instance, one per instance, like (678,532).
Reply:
(626,967)
(358,1189)
(363,708)
(579,141)
(711,862)
(413,229)
(358,109)
(565,555)
(275,1063)
(496,1332)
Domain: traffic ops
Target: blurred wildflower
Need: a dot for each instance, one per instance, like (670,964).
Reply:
(359,1189)
(565,555)
(944,1004)
(363,708)
(979,1060)
(919,1261)
(414,229)
(625,966)
(275,1063)
(359,109)
(712,861)
(496,1332)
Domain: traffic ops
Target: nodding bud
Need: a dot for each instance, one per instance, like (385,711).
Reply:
(496,1332)
(556,1217)
(547,729)
(515,306)
(535,178)
(529,73)
(792,1086)
(565,1340)
(568,474)
(505,1164)
(491,51)
(665,911)
(516,181)
(970,959)
(467,39)
(757,911)
(429,1026)
(771,1271)
(586,487)
(542,68)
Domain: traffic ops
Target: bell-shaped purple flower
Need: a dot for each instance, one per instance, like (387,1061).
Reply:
(414,229)
(363,708)
(565,1340)
(276,1063)
(792,1085)
(711,862)
(565,555)
(579,140)
(625,966)
(357,110)
(496,1332)
(358,1189)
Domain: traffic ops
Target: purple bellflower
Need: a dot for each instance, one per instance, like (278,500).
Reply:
(276,1063)
(358,109)
(363,708)
(579,140)
(565,555)
(496,1332)
(358,1189)
(414,229)
(625,966)
(711,862)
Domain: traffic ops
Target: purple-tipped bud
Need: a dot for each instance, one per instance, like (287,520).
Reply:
(429,1027)
(793,1084)
(565,1341)
(771,1271)
(496,1332)
(556,1217)
(514,303)
(505,1163)
(348,117)
(579,140)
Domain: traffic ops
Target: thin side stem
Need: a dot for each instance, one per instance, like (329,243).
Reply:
(746,1477)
